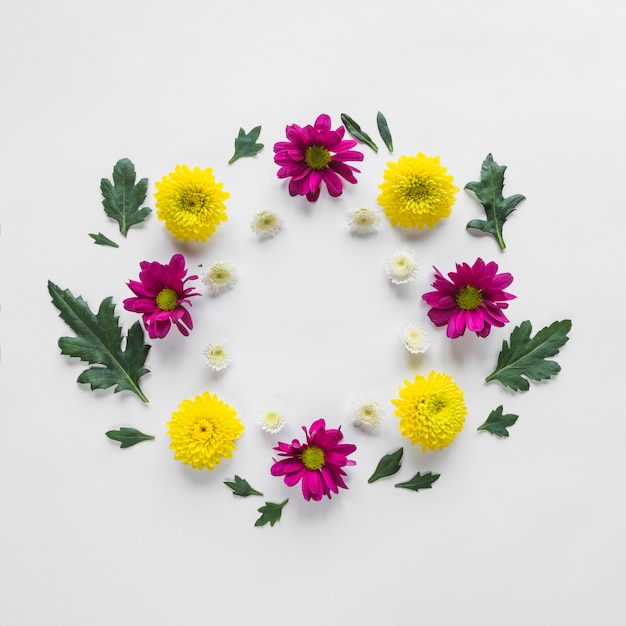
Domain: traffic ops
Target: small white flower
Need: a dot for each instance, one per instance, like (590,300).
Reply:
(401,266)
(271,420)
(217,356)
(266,223)
(415,338)
(364,221)
(367,414)
(220,276)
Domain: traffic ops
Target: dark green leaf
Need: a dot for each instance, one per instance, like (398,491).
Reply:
(527,357)
(489,193)
(245,144)
(98,341)
(419,481)
(383,129)
(271,513)
(127,436)
(387,466)
(355,130)
(241,488)
(102,240)
(122,198)
(497,423)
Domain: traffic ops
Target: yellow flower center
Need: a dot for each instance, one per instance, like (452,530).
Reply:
(203,430)
(192,200)
(313,458)
(469,298)
(272,419)
(317,157)
(167,299)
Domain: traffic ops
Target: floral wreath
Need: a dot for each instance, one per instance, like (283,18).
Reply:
(416,193)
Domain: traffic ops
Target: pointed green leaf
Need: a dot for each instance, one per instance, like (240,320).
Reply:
(245,144)
(355,130)
(242,488)
(98,341)
(383,129)
(102,240)
(387,466)
(497,423)
(271,513)
(489,193)
(128,436)
(525,358)
(419,481)
(122,198)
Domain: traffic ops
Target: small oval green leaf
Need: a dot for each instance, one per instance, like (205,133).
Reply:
(383,129)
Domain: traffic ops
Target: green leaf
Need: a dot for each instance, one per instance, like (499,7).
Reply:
(242,488)
(245,144)
(128,436)
(383,129)
(419,481)
(527,357)
(101,240)
(387,466)
(355,130)
(497,423)
(271,513)
(98,341)
(122,198)
(489,193)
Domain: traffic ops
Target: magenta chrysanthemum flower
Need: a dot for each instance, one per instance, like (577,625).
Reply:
(473,298)
(314,154)
(317,463)
(161,294)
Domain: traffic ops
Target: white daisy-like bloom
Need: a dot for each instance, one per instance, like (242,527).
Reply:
(217,355)
(367,414)
(401,266)
(220,276)
(266,223)
(271,420)
(415,338)
(364,221)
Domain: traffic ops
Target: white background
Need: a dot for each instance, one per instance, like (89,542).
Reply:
(518,531)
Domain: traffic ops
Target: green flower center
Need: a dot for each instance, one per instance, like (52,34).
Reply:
(167,299)
(313,458)
(203,430)
(469,298)
(418,191)
(192,200)
(317,157)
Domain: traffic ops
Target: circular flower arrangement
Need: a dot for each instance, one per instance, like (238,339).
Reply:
(417,192)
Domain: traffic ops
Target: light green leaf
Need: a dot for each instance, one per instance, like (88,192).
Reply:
(355,130)
(489,193)
(242,488)
(387,466)
(245,144)
(102,240)
(271,513)
(98,341)
(128,436)
(497,423)
(383,129)
(122,198)
(419,481)
(526,358)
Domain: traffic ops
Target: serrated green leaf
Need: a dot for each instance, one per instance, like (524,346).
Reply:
(242,488)
(245,144)
(419,481)
(122,198)
(270,512)
(387,466)
(526,358)
(489,192)
(98,342)
(497,423)
(128,436)
(102,240)
(355,130)
(383,129)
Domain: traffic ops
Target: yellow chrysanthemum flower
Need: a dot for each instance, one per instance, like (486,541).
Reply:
(191,203)
(432,411)
(417,192)
(203,431)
